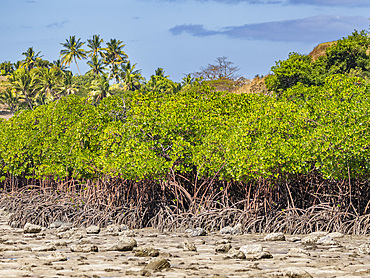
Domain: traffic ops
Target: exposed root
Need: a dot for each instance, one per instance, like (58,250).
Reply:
(43,207)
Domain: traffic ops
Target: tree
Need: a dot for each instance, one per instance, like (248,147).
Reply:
(48,81)
(114,55)
(73,49)
(99,89)
(6,68)
(159,82)
(222,69)
(67,85)
(346,56)
(131,76)
(287,73)
(95,46)
(10,98)
(31,57)
(24,83)
(96,65)
(58,64)
(349,53)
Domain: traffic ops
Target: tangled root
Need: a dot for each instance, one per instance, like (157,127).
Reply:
(43,208)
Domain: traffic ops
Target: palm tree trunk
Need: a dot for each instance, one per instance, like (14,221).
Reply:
(77,66)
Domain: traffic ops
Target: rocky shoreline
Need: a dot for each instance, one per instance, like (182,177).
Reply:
(116,251)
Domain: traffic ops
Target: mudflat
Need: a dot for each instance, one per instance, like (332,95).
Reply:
(116,251)
(5,114)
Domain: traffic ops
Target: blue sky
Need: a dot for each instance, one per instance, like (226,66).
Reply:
(181,35)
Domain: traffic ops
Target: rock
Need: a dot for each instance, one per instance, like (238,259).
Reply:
(298,252)
(124,244)
(364,249)
(199,241)
(44,248)
(31,228)
(146,252)
(326,240)
(66,234)
(335,235)
(259,256)
(152,235)
(313,237)
(142,273)
(274,237)
(60,224)
(223,248)
(196,232)
(189,246)
(56,257)
(113,230)
(84,241)
(76,236)
(255,252)
(234,254)
(295,272)
(158,264)
(62,229)
(223,241)
(294,239)
(128,233)
(93,230)
(236,230)
(251,249)
(84,248)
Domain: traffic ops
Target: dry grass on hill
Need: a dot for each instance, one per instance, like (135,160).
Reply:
(320,49)
(252,86)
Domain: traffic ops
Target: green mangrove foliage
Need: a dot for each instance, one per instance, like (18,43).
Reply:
(348,55)
(151,134)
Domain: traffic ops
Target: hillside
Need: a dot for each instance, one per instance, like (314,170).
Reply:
(320,50)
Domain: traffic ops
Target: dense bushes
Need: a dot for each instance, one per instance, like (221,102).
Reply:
(236,137)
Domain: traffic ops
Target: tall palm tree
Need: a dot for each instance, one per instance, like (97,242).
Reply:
(31,57)
(96,65)
(73,49)
(95,46)
(114,55)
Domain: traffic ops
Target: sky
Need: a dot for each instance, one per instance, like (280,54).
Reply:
(181,36)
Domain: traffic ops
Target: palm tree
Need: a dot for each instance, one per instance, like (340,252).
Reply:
(97,66)
(67,86)
(58,64)
(6,68)
(95,46)
(24,83)
(10,98)
(99,89)
(31,57)
(131,76)
(73,49)
(114,55)
(48,81)
(160,72)
(188,80)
